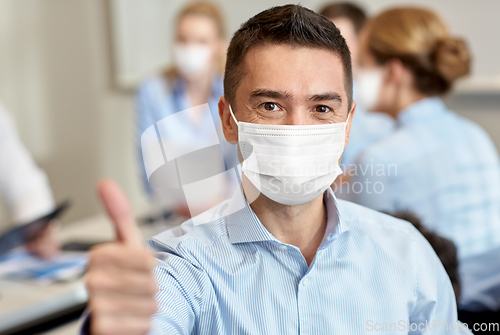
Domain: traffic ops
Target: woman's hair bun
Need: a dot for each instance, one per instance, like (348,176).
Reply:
(451,58)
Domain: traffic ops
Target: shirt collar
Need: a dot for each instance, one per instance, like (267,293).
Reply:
(421,111)
(334,224)
(242,223)
(244,226)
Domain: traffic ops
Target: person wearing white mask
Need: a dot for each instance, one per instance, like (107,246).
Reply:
(282,256)
(194,79)
(24,186)
(438,165)
(368,127)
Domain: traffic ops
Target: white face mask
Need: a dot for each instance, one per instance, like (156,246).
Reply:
(291,165)
(192,60)
(368,85)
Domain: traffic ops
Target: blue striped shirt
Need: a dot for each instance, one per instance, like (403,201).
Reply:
(230,275)
(443,168)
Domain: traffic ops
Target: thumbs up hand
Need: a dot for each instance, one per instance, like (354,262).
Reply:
(119,280)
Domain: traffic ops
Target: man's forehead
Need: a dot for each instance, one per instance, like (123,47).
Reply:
(268,50)
(293,68)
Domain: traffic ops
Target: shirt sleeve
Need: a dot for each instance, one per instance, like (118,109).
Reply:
(85,323)
(435,309)
(184,290)
(23,184)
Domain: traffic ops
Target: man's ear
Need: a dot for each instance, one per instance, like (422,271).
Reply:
(349,122)
(229,127)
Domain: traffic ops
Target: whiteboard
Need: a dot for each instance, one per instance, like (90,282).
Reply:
(142,33)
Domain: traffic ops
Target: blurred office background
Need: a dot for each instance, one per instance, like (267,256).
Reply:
(68,71)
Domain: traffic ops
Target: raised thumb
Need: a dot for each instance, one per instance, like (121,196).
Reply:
(119,211)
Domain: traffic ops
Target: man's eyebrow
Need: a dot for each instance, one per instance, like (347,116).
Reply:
(270,94)
(326,96)
(286,95)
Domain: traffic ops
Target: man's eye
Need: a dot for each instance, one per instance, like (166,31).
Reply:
(270,106)
(322,109)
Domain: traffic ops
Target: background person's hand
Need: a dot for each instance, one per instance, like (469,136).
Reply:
(119,280)
(45,245)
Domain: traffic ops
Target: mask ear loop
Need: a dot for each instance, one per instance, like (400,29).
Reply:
(234,118)
(346,121)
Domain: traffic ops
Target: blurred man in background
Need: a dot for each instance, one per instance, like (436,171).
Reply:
(367,127)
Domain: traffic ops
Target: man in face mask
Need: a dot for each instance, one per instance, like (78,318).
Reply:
(283,256)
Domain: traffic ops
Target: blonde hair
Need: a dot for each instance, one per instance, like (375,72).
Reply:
(420,39)
(207,9)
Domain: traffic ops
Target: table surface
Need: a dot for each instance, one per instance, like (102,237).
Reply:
(23,302)
(71,328)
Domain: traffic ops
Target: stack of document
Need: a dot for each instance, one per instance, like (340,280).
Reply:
(21,265)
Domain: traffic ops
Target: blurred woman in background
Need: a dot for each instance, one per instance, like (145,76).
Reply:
(194,79)
(438,165)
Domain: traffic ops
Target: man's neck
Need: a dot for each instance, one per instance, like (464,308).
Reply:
(303,226)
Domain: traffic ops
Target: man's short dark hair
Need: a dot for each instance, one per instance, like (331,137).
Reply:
(349,10)
(292,25)
(445,249)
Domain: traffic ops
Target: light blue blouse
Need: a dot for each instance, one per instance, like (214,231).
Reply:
(157,98)
(443,168)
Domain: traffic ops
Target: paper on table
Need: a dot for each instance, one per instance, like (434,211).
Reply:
(19,264)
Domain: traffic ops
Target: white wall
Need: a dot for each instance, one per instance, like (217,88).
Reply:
(142,32)
(56,79)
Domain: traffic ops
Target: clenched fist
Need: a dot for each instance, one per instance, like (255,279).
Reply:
(119,280)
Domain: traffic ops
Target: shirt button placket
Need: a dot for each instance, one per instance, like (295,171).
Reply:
(303,297)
